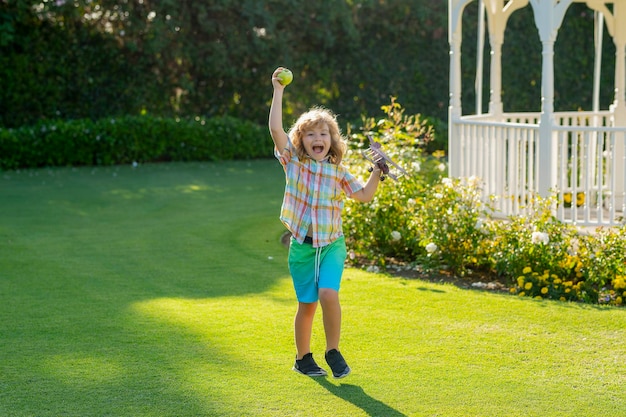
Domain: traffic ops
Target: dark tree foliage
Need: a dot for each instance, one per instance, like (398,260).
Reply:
(104,58)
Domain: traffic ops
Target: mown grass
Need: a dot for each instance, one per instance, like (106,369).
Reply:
(162,290)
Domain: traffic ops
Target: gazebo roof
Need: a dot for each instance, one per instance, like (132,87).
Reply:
(548,16)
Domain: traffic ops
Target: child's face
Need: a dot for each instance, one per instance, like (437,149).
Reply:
(316,141)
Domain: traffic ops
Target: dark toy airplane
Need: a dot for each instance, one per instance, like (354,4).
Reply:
(376,156)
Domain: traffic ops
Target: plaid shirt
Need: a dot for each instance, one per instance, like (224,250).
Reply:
(313,197)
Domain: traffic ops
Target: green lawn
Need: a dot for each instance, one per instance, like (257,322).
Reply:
(163,290)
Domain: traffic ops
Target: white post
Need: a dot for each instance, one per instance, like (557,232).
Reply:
(546,167)
(599,23)
(495,98)
(480,49)
(548,18)
(498,15)
(455,37)
(619,105)
(593,169)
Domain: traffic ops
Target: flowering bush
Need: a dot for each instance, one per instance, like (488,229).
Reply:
(603,259)
(537,240)
(546,285)
(429,221)
(451,221)
(386,227)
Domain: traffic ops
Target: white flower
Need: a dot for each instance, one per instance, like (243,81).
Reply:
(447,182)
(395,235)
(411,202)
(438,195)
(441,167)
(352,255)
(540,237)
(431,247)
(473,181)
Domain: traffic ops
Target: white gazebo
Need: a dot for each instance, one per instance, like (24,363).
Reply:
(579,155)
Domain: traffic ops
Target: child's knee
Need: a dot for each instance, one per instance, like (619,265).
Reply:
(328,295)
(307,309)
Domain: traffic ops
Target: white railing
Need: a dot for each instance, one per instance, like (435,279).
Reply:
(504,154)
(587,175)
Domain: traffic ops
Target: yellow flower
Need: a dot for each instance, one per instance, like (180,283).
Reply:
(562,299)
(580,199)
(513,290)
(522,294)
(544,290)
(520,281)
(538,297)
(619,282)
(618,300)
(528,286)
(527,270)
(567,290)
(567,198)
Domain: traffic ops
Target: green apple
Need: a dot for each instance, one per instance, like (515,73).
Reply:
(285,76)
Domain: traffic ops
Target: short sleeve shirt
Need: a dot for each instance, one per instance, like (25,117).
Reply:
(314,196)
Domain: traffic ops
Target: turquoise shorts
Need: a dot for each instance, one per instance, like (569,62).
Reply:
(314,268)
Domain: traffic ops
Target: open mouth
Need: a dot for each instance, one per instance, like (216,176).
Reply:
(318,149)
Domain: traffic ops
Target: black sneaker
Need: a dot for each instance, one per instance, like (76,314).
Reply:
(337,363)
(307,366)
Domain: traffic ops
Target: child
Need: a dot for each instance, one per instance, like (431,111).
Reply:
(315,179)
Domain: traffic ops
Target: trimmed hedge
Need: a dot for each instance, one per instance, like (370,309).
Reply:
(131,139)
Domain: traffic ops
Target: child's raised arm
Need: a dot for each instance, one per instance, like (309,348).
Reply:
(279,136)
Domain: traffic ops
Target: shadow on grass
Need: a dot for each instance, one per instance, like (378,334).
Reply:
(431,290)
(355,395)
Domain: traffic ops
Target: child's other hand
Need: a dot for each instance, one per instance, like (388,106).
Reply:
(276,81)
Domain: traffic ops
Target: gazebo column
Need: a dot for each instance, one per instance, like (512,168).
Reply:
(619,38)
(498,14)
(618,108)
(495,98)
(454,110)
(548,18)
(546,167)
(455,37)
(619,104)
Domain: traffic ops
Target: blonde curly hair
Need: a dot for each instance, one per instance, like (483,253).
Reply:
(313,118)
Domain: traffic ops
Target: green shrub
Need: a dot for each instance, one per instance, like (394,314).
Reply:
(602,258)
(450,219)
(386,226)
(130,139)
(536,240)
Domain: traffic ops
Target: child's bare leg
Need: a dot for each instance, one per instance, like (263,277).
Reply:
(303,327)
(331,310)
